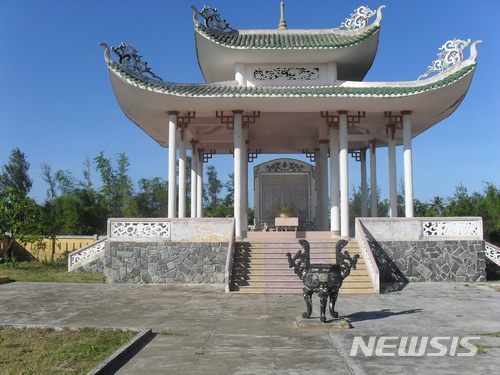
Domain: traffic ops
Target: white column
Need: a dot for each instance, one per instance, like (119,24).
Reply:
(332,72)
(240,74)
(364,203)
(373,179)
(194,179)
(393,186)
(238,180)
(172,162)
(322,181)
(182,172)
(199,185)
(334,182)
(344,175)
(244,185)
(408,163)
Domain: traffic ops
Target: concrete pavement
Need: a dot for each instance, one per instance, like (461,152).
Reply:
(210,332)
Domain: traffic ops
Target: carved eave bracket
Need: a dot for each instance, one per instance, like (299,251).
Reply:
(332,121)
(228,120)
(184,121)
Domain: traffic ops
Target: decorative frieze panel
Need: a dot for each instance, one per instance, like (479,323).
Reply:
(285,166)
(286,74)
(451,228)
(132,229)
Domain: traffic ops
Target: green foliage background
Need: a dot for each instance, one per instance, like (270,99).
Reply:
(76,206)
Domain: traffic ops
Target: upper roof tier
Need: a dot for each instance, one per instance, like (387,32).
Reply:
(352,46)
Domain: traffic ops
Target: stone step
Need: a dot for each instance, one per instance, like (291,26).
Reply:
(252,290)
(264,268)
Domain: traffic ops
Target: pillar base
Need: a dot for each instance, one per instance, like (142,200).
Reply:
(336,233)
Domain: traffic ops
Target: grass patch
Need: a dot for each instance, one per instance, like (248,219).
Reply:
(169,332)
(49,351)
(55,272)
(491,334)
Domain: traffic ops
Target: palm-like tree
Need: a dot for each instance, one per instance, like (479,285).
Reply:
(437,205)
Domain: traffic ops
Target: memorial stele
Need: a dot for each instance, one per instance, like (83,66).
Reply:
(289,91)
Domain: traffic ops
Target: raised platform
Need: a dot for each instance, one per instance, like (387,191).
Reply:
(289,235)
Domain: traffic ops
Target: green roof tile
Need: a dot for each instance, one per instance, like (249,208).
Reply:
(208,90)
(285,40)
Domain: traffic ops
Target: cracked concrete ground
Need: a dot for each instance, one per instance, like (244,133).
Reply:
(205,331)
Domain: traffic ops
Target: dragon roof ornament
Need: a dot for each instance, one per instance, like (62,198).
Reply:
(361,17)
(450,55)
(212,19)
(128,57)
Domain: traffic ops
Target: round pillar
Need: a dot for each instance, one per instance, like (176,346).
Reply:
(172,162)
(408,163)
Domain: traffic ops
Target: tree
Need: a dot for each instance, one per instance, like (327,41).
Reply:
(20,220)
(212,188)
(80,209)
(117,185)
(15,175)
(152,198)
(437,205)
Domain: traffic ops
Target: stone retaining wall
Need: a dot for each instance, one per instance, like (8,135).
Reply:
(97,265)
(446,260)
(165,262)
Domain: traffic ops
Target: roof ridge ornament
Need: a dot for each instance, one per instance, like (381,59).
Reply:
(211,17)
(361,16)
(282,24)
(129,58)
(451,54)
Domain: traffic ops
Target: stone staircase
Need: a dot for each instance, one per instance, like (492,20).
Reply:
(262,267)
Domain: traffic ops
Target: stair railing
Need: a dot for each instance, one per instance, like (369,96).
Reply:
(365,248)
(86,254)
(229,260)
(492,252)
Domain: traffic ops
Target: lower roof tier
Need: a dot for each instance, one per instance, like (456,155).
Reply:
(289,119)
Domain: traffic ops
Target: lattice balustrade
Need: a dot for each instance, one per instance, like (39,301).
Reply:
(492,253)
(451,228)
(366,251)
(150,229)
(86,254)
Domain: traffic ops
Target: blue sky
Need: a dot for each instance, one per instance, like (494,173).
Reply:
(57,105)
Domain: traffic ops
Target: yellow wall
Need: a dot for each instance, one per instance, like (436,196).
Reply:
(57,248)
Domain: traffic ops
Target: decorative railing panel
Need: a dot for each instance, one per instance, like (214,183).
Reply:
(371,264)
(86,254)
(132,229)
(451,228)
(492,252)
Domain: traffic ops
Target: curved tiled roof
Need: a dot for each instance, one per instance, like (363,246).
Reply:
(233,90)
(288,39)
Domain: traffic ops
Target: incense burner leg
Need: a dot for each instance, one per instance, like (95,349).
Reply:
(333,300)
(308,300)
(323,300)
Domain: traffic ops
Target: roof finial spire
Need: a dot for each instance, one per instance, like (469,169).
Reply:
(282,24)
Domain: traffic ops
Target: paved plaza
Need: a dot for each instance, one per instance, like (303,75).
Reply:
(215,333)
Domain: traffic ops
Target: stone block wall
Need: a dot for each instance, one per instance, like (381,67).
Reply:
(97,265)
(165,262)
(424,260)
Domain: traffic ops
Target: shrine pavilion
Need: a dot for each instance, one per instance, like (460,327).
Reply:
(289,91)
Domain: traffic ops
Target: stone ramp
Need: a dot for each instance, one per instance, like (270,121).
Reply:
(262,267)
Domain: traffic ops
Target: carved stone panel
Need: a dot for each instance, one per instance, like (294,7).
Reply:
(286,183)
